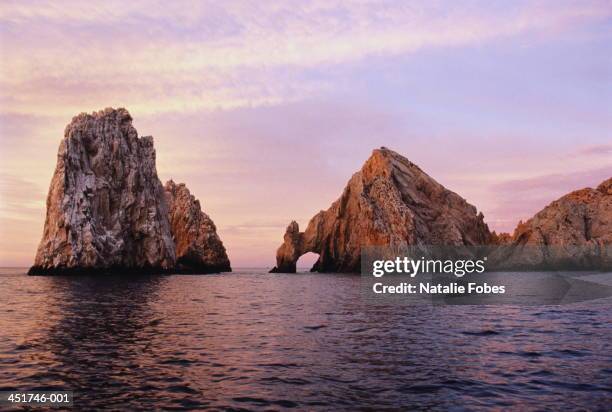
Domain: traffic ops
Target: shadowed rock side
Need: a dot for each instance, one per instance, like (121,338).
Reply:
(573,232)
(198,247)
(105,207)
(390,201)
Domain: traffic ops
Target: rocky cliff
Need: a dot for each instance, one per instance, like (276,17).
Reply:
(198,247)
(107,209)
(389,201)
(573,232)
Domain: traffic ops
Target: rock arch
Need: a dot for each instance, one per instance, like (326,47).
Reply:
(389,201)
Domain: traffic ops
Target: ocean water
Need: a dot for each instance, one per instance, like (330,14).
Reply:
(251,340)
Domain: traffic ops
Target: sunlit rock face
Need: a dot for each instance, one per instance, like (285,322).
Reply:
(390,201)
(105,207)
(198,247)
(573,232)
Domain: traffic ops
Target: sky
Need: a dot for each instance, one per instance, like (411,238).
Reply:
(265,109)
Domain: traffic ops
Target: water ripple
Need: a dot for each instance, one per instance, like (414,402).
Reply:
(250,341)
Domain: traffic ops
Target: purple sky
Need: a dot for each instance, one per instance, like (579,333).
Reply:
(265,109)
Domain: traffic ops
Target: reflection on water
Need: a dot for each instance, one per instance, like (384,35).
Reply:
(257,341)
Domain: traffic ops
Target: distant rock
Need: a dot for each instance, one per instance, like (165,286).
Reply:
(501,238)
(198,247)
(390,201)
(573,232)
(105,207)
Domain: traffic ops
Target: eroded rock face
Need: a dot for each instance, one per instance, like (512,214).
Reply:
(572,232)
(198,247)
(390,201)
(105,207)
(290,251)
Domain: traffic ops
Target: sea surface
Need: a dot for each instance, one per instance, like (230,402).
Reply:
(255,341)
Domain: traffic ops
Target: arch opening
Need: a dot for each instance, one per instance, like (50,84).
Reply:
(306,262)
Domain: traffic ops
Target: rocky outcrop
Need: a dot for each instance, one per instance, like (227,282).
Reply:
(105,207)
(107,210)
(390,201)
(198,247)
(290,251)
(573,232)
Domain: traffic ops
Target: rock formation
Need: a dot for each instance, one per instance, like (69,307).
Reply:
(105,205)
(390,201)
(106,208)
(573,232)
(198,247)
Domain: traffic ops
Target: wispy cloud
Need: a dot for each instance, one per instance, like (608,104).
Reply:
(522,198)
(21,219)
(558,182)
(19,198)
(155,56)
(596,150)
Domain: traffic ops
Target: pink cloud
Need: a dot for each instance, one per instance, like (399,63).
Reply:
(520,199)
(60,58)
(597,150)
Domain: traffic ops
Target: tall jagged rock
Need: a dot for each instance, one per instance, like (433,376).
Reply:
(573,232)
(198,247)
(105,207)
(108,212)
(390,201)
